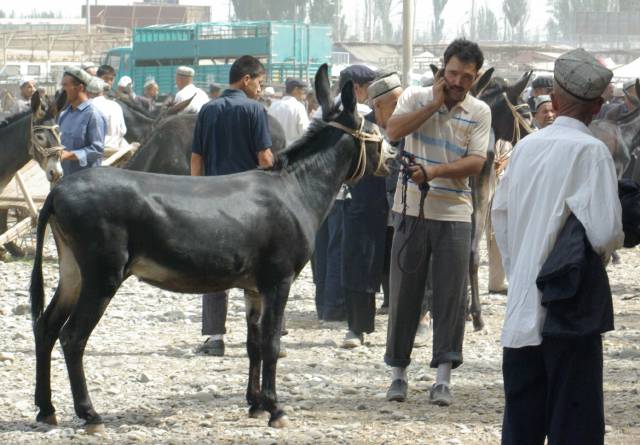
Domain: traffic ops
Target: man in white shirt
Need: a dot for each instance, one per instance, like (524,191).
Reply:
(116,128)
(447,130)
(553,385)
(187,90)
(23,102)
(290,112)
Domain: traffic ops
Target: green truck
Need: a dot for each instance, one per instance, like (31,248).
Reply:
(287,49)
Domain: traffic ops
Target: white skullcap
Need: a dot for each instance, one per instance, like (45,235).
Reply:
(150,82)
(125,81)
(185,71)
(96,86)
(26,79)
(269,91)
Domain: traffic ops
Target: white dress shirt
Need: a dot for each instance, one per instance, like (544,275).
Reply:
(553,172)
(116,128)
(292,115)
(196,103)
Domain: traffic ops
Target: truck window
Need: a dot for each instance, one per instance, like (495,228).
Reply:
(33,70)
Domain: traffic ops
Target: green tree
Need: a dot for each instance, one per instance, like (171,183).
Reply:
(563,14)
(438,22)
(270,9)
(383,26)
(486,24)
(517,13)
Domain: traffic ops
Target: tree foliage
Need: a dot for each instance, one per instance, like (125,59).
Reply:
(382,14)
(486,27)
(563,14)
(270,9)
(517,14)
(438,22)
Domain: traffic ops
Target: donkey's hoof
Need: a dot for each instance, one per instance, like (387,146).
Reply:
(94,428)
(280,422)
(256,413)
(49,419)
(478,323)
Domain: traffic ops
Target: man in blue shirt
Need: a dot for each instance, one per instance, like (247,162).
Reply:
(231,136)
(82,126)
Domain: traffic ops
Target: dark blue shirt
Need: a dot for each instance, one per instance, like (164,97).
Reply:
(229,133)
(82,132)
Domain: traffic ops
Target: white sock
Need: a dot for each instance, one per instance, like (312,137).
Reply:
(398,373)
(444,374)
(216,337)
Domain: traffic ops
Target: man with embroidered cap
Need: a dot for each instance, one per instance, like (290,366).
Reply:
(447,130)
(290,111)
(187,90)
(82,125)
(543,113)
(148,98)
(23,102)
(553,377)
(364,228)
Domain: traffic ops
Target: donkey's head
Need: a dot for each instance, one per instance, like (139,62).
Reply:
(510,115)
(374,153)
(46,146)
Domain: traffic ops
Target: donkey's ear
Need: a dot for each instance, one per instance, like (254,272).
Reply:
(36,104)
(638,88)
(515,90)
(434,69)
(323,90)
(177,108)
(482,82)
(348,98)
(60,102)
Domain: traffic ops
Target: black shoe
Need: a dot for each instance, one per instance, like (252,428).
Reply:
(397,392)
(212,347)
(335,314)
(440,395)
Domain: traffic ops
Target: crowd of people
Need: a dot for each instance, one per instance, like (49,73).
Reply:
(411,233)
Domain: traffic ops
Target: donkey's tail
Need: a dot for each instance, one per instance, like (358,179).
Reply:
(37,287)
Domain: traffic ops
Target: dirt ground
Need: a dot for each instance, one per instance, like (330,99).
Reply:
(150,387)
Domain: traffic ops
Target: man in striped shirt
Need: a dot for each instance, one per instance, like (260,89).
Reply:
(447,130)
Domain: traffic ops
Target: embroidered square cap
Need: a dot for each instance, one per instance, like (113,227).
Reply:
(581,75)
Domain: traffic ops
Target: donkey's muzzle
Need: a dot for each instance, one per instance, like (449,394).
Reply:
(388,153)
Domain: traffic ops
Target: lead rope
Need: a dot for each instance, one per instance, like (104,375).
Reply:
(47,152)
(424,190)
(519,121)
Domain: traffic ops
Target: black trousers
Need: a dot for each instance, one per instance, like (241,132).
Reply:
(554,391)
(361,311)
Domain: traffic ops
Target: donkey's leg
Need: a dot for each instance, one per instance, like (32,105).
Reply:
(272,314)
(94,299)
(47,328)
(475,309)
(253,307)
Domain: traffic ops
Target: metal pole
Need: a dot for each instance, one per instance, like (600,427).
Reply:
(88,16)
(407,41)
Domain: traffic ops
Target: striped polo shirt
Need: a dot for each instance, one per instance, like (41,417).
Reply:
(445,137)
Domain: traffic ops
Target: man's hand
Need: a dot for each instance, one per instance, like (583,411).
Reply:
(417,173)
(439,85)
(68,156)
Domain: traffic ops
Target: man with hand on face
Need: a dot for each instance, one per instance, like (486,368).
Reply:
(231,136)
(447,130)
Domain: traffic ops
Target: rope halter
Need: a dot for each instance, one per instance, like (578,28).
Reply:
(363,137)
(518,120)
(47,152)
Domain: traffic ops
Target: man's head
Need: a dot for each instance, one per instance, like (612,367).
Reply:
(96,87)
(214,91)
(295,88)
(184,76)
(361,76)
(106,73)
(463,60)
(607,96)
(27,87)
(151,89)
(578,83)
(90,68)
(74,83)
(125,85)
(543,111)
(383,95)
(542,86)
(247,74)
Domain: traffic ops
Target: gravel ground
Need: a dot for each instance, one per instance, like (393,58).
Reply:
(150,386)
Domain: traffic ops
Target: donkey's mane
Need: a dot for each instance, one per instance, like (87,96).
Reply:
(13,118)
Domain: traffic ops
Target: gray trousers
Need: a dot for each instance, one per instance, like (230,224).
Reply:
(214,313)
(446,247)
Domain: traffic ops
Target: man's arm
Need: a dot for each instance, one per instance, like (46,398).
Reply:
(401,125)
(95,134)
(462,168)
(265,158)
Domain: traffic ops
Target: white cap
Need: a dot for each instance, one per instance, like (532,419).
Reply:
(269,91)
(150,82)
(185,71)
(125,81)
(26,79)
(96,86)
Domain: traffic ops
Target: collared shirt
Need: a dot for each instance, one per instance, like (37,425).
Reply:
(292,115)
(448,135)
(82,132)
(198,100)
(229,133)
(116,128)
(553,172)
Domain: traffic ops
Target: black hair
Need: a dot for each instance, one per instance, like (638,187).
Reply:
(245,65)
(105,69)
(465,50)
